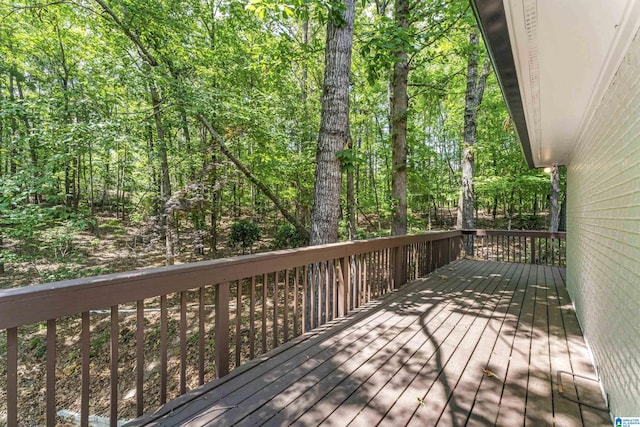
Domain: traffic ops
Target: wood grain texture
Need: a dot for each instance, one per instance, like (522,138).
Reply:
(473,343)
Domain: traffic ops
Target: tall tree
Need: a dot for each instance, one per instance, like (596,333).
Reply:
(334,123)
(399,104)
(473,98)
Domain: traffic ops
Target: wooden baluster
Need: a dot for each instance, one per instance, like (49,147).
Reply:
(306,318)
(238,334)
(397,267)
(265,279)
(139,358)
(286,306)
(183,342)
(276,277)
(12,377)
(222,329)
(327,291)
(343,287)
(252,322)
(113,401)
(201,335)
(296,296)
(51,372)
(85,350)
(533,250)
(163,349)
(314,291)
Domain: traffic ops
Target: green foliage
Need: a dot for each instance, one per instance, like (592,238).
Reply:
(79,136)
(349,159)
(38,346)
(244,233)
(99,341)
(343,232)
(62,273)
(286,236)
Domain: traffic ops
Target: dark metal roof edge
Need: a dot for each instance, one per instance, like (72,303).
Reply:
(491,18)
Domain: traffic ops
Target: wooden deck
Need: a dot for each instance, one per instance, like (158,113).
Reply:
(475,343)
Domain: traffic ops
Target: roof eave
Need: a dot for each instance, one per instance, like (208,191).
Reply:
(491,18)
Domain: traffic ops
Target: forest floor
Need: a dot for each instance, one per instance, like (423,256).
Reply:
(112,247)
(115,246)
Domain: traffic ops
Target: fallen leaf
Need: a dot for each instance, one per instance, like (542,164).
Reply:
(421,401)
(490,373)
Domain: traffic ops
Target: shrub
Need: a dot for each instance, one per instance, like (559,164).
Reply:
(286,236)
(244,233)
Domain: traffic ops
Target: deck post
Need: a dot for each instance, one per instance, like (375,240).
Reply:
(222,329)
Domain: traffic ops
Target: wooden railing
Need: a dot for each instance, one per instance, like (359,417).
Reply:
(533,247)
(120,345)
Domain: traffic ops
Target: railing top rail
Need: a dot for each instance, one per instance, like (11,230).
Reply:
(37,303)
(517,233)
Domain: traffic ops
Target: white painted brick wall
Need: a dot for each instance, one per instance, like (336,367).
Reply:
(603,232)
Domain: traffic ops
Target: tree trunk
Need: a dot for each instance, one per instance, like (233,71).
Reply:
(334,122)
(165,181)
(1,261)
(13,155)
(91,193)
(351,197)
(373,177)
(215,203)
(562,226)
(473,99)
(553,198)
(399,104)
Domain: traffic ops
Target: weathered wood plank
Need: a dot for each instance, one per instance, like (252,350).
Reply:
(409,340)
(513,398)
(393,378)
(487,401)
(479,370)
(474,324)
(443,341)
(312,392)
(566,412)
(539,392)
(581,363)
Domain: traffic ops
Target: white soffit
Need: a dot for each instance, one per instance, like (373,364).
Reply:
(566,52)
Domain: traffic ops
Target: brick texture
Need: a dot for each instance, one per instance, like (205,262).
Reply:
(603,225)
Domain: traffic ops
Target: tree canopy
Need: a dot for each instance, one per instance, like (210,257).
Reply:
(184,115)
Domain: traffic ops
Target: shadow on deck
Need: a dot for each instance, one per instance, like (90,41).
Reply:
(474,343)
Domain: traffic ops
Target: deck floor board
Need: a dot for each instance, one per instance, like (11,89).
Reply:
(475,343)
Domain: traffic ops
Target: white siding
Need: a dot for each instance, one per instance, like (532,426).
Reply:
(603,225)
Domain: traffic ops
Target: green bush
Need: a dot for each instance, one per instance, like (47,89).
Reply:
(286,236)
(244,233)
